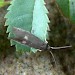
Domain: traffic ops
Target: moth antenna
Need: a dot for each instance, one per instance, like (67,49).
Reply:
(63,47)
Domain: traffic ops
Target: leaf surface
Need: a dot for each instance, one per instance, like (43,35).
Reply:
(68,8)
(30,16)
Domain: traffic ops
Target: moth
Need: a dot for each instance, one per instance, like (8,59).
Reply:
(26,38)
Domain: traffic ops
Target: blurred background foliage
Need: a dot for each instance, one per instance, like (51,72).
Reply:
(5,48)
(4,2)
(62,32)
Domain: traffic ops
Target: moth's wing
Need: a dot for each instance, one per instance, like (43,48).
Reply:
(29,39)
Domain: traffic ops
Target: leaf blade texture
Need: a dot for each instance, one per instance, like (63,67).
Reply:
(23,14)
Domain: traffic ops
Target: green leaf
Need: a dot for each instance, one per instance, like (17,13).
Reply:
(72,10)
(68,8)
(30,16)
(40,22)
(64,5)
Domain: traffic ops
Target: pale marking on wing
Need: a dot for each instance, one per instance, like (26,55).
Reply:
(26,37)
(24,42)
